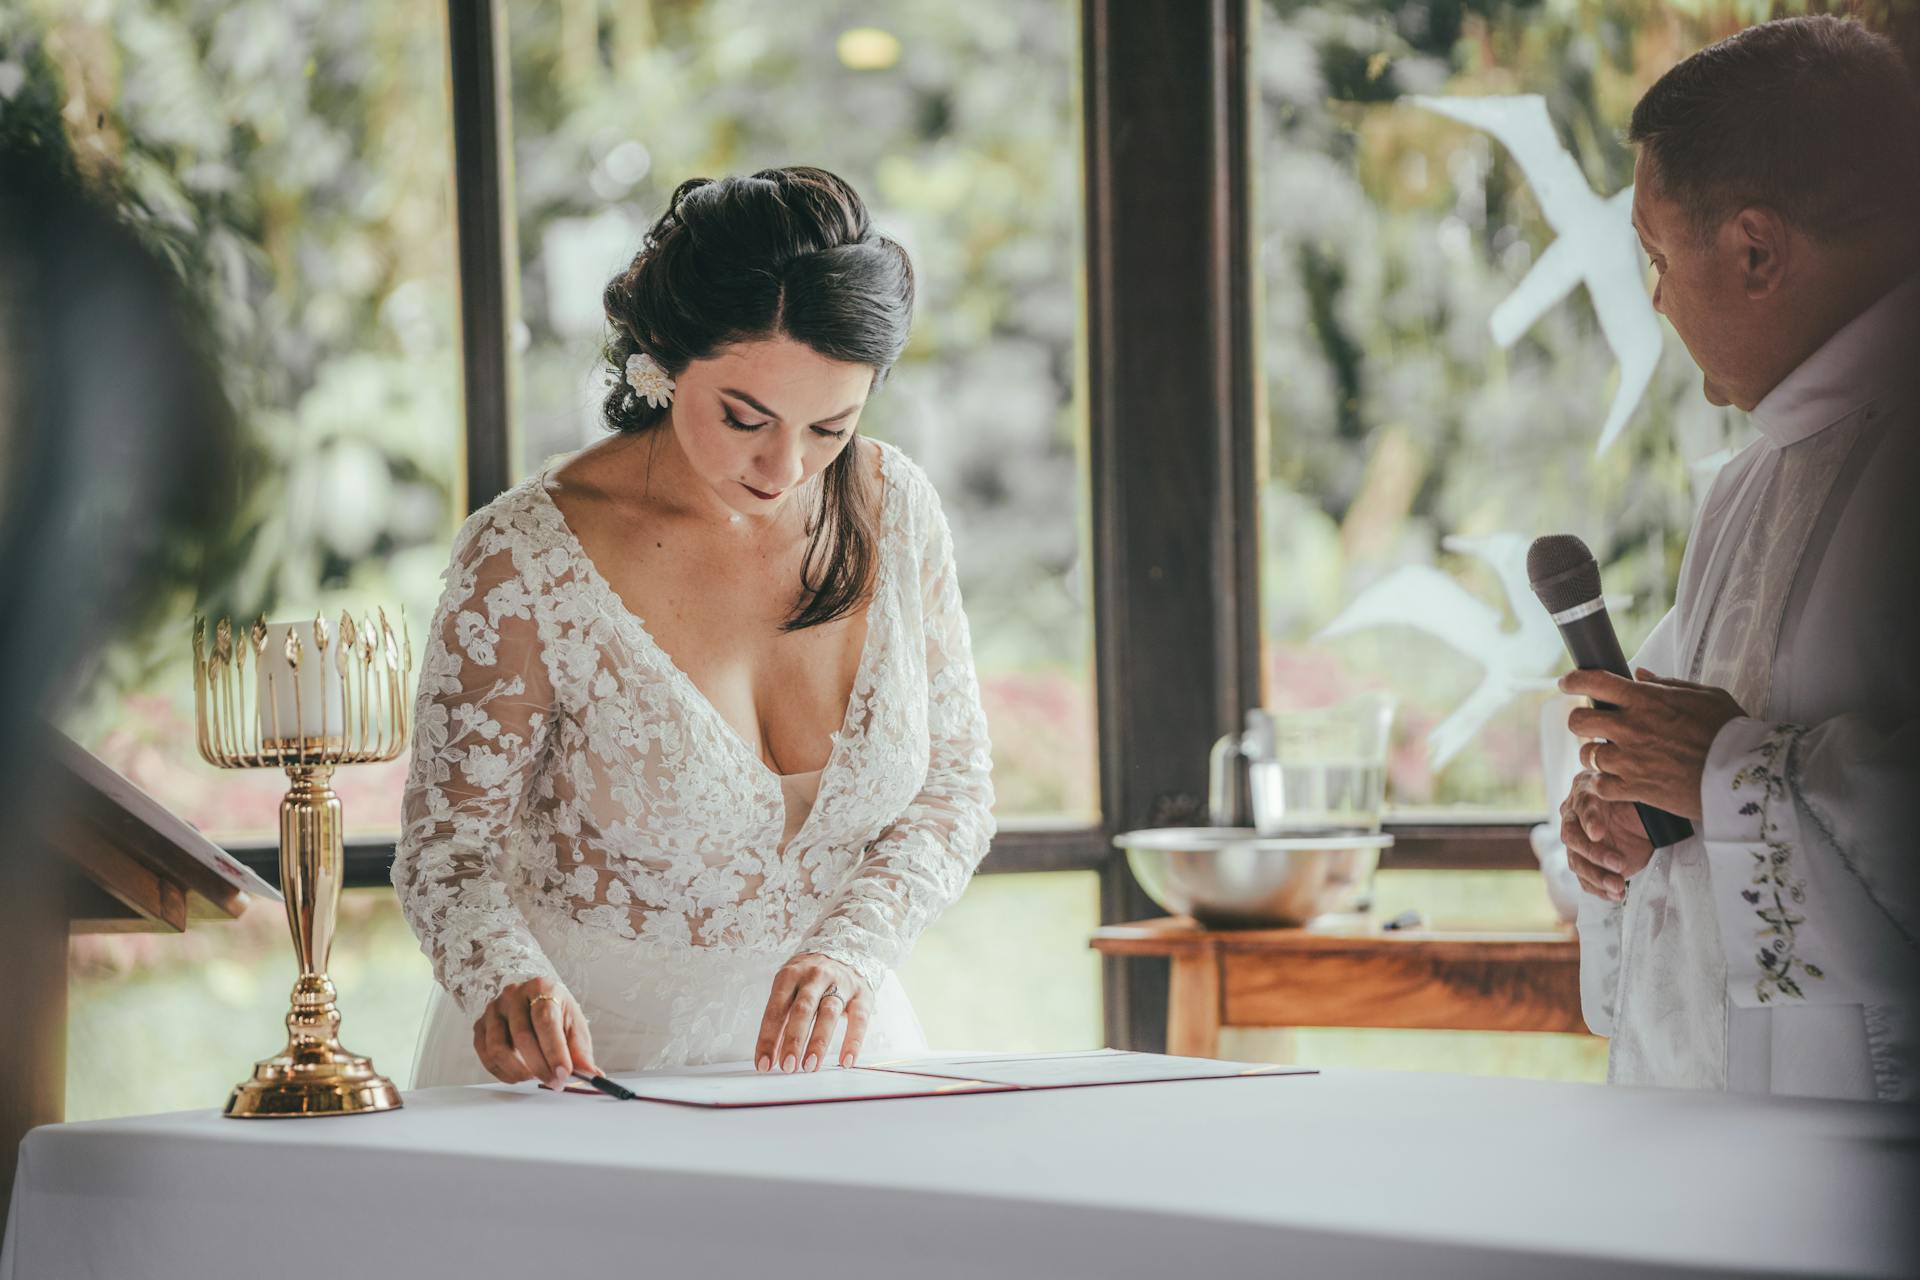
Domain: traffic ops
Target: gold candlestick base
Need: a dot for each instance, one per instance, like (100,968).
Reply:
(314,1075)
(354,1088)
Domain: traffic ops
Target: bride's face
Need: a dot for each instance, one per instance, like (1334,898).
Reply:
(761,419)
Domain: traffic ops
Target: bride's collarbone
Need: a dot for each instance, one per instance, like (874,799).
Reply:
(668,570)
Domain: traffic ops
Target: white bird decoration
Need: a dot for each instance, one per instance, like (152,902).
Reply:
(1595,246)
(1516,659)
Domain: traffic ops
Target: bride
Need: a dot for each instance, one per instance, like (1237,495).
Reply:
(699,747)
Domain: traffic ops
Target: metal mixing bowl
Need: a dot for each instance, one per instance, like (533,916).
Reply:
(1233,877)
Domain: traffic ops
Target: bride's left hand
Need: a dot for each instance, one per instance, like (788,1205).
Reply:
(811,994)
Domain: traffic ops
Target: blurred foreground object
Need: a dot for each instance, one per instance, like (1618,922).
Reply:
(114,433)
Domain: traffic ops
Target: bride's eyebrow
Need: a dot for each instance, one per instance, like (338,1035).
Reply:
(757,407)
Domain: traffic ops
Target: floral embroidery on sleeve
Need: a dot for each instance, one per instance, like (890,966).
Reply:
(1775,891)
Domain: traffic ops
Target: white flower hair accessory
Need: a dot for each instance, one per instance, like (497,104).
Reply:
(649,380)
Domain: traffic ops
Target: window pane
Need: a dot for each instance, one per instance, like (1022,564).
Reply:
(1009,968)
(959,126)
(297,162)
(1437,396)
(166,1022)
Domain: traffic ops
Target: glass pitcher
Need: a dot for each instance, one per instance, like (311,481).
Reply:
(1305,772)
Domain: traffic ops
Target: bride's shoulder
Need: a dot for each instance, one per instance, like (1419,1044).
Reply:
(512,507)
(519,518)
(903,484)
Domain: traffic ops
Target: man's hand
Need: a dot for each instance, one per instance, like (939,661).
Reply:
(1605,840)
(1652,746)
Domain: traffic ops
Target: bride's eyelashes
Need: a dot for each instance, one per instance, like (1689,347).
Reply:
(738,425)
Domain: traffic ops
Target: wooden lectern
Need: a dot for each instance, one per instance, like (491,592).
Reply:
(94,854)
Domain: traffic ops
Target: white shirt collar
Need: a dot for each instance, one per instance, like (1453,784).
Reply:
(1871,354)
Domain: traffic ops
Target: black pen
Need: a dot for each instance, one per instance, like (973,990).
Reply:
(608,1087)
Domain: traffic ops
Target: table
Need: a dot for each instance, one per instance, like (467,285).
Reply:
(1347,1174)
(1349,973)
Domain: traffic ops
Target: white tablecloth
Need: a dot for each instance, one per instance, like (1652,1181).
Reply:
(1345,1174)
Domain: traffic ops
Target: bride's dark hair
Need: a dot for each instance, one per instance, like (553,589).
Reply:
(782,253)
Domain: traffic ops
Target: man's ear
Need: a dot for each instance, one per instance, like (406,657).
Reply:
(1762,243)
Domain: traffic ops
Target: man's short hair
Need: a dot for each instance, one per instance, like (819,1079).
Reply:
(1815,118)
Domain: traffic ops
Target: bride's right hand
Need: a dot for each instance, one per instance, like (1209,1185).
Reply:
(534,1030)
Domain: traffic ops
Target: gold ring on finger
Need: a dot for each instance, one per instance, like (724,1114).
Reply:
(831,993)
(545,995)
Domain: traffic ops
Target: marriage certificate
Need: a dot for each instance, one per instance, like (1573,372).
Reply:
(732,1084)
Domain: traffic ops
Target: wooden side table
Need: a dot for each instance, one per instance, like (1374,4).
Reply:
(1350,974)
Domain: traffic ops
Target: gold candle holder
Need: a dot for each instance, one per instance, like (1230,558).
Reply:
(306,698)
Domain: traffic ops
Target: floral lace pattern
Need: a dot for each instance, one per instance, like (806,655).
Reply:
(566,773)
(1776,893)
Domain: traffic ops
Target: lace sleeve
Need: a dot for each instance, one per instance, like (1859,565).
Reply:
(480,728)
(918,866)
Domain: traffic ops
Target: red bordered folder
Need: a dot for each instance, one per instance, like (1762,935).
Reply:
(735,1085)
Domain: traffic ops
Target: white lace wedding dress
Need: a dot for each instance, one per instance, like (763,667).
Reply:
(577,808)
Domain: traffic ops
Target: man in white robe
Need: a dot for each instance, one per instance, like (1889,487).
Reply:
(1778,704)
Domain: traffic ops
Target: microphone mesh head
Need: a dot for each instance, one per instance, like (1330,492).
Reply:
(1563,572)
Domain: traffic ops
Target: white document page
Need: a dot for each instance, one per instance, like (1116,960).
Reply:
(737,1084)
(1087,1067)
(734,1084)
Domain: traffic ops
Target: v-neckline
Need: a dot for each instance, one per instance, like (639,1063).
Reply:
(618,610)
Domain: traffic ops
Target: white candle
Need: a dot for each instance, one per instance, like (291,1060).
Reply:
(304,703)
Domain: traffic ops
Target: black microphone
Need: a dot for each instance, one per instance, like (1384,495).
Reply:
(1566,577)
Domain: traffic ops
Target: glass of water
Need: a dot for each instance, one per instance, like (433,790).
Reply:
(1320,771)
